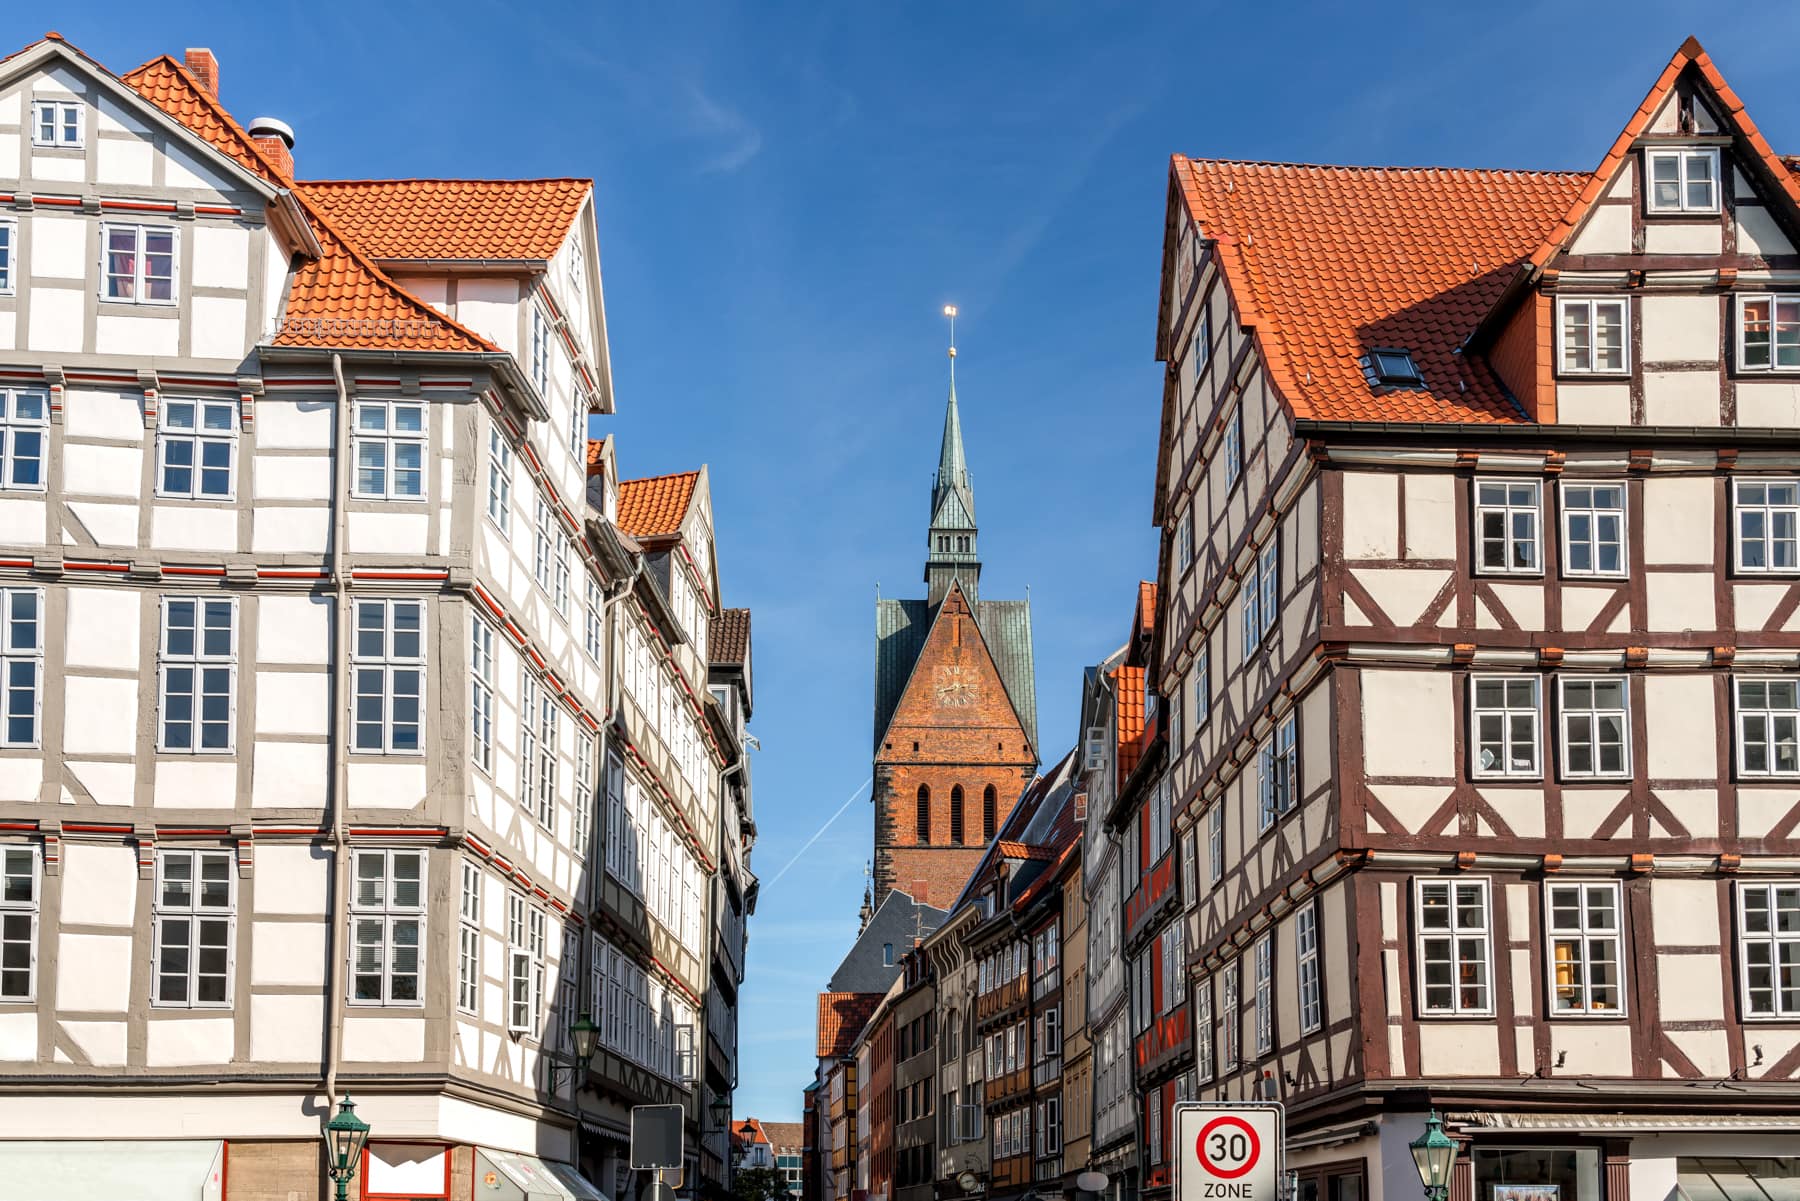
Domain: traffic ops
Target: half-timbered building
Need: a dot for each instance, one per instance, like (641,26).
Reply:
(1479,496)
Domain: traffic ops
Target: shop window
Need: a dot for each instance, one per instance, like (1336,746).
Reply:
(1536,1173)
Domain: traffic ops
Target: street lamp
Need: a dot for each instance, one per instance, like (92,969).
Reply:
(345,1136)
(1434,1152)
(720,1109)
(581,1036)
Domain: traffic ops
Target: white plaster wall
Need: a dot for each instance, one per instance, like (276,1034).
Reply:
(18,1037)
(102,470)
(216,327)
(94,414)
(221,256)
(286,1029)
(490,307)
(1681,327)
(288,953)
(1678,520)
(1685,238)
(23,780)
(376,785)
(1593,404)
(384,1039)
(196,783)
(401,533)
(184,170)
(106,783)
(58,246)
(1608,231)
(289,775)
(1371,515)
(1684,913)
(1431,516)
(1681,397)
(194,527)
(290,531)
(1759,234)
(123,334)
(1772,404)
(108,524)
(102,1042)
(122,162)
(291,477)
(93,971)
(1459,1049)
(23,520)
(294,424)
(108,619)
(1679,600)
(99,884)
(56,319)
(1406,723)
(109,709)
(178,1042)
(291,878)
(1681,726)
(293,629)
(289,702)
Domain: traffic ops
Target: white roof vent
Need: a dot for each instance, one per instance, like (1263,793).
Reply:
(272,127)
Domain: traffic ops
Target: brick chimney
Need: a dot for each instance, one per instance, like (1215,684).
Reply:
(205,68)
(276,140)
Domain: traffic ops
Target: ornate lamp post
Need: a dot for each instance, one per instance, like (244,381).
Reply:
(1435,1153)
(345,1137)
(581,1033)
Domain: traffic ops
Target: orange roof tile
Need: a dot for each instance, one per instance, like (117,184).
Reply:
(842,1016)
(1326,263)
(1011,849)
(1145,618)
(654,507)
(1128,694)
(452,218)
(596,455)
(730,637)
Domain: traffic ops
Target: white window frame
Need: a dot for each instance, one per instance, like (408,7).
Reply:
(1306,968)
(519,1016)
(1460,938)
(1269,584)
(60,113)
(540,351)
(389,439)
(9,242)
(499,498)
(387,915)
(594,628)
(1204,1065)
(482,677)
(468,929)
(15,910)
(1215,844)
(389,668)
(1278,773)
(1684,156)
(1784,513)
(166,913)
(201,664)
(1782,947)
(13,424)
(585,788)
(1581,503)
(1509,505)
(1783,313)
(543,546)
(1184,542)
(1231,445)
(1573,719)
(1232,1019)
(21,664)
(1506,712)
(1773,719)
(1202,680)
(140,278)
(564,590)
(1590,941)
(1589,363)
(197,436)
(1264,997)
(578,426)
(1250,620)
(1202,342)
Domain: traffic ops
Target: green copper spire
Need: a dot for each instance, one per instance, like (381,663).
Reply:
(950,539)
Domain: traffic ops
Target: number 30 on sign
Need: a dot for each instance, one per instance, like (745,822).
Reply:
(1228,1151)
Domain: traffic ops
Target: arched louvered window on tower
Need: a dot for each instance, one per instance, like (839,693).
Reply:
(924,819)
(956,815)
(990,804)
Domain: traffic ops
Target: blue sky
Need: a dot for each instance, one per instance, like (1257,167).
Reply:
(788,195)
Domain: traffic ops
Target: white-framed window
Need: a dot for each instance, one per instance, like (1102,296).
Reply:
(8,238)
(1202,688)
(565,552)
(527,940)
(1768,332)
(58,124)
(198,675)
(1204,1066)
(1177,733)
(1269,584)
(387,923)
(1593,529)
(1190,868)
(1682,180)
(1591,336)
(1306,967)
(24,426)
(1202,342)
(537,747)
(390,450)
(1231,1017)
(584,790)
(21,892)
(1769,949)
(1173,948)
(196,449)
(1215,844)
(1586,963)
(1507,527)
(1768,725)
(577,265)
(1278,772)
(1251,619)
(481,689)
(1767,525)
(594,630)
(540,351)
(1052,1134)
(468,934)
(1504,723)
(195,905)
(543,546)
(139,264)
(578,426)
(1184,542)
(1455,947)
(1596,726)
(499,499)
(1264,999)
(1232,447)
(21,665)
(388,663)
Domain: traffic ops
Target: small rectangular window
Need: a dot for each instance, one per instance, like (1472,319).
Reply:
(1593,529)
(57,124)
(499,501)
(1269,584)
(387,923)
(1768,330)
(1202,690)
(543,546)
(1768,726)
(1184,541)
(1202,343)
(24,426)
(1767,525)
(1507,527)
(196,449)
(1265,995)
(194,919)
(1503,721)
(1306,948)
(1585,949)
(1596,725)
(468,957)
(21,886)
(540,351)
(8,235)
(140,264)
(1769,949)
(198,669)
(481,687)
(1455,952)
(1232,447)
(1389,368)
(1230,1017)
(388,664)
(21,665)
(1250,616)
(1683,180)
(1215,844)
(1592,334)
(390,450)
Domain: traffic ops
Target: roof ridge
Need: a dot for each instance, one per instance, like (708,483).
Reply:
(1198,160)
(397,179)
(667,475)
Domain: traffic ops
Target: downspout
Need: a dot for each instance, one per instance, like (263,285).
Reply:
(337,919)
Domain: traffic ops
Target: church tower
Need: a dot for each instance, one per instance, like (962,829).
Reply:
(955,701)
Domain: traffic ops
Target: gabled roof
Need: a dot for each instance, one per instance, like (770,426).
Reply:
(1128,710)
(842,1016)
(453,218)
(901,627)
(654,507)
(730,639)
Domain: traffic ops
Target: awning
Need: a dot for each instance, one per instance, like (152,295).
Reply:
(510,1176)
(175,1170)
(1624,1123)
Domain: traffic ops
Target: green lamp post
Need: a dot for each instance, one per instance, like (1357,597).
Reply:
(1435,1153)
(345,1137)
(582,1032)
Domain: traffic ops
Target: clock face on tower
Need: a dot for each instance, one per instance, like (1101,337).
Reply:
(955,688)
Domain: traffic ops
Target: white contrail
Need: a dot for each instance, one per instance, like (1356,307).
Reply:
(820,832)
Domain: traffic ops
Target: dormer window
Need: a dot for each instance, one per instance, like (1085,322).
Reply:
(1684,180)
(56,124)
(1389,368)
(1592,336)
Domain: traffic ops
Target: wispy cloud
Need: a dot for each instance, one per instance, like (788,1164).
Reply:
(716,122)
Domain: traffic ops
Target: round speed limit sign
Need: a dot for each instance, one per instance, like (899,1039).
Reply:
(1228,1147)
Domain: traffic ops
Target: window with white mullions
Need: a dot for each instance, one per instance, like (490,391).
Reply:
(24,425)
(198,667)
(540,351)
(481,692)
(57,124)
(1232,447)
(1203,1029)
(20,890)
(543,546)
(1507,528)
(196,449)
(1504,716)
(1455,951)
(8,237)
(499,500)
(1269,584)
(1306,947)
(468,931)
(21,665)
(1585,960)
(195,903)
(1593,529)
(388,663)
(1231,1017)
(1769,949)
(390,450)
(1596,722)
(387,921)
(1592,336)
(1278,773)
(140,264)
(1767,525)
(1768,329)
(1768,726)
(1215,844)
(1682,180)
(1265,995)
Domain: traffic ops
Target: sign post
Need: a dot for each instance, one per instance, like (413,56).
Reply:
(1229,1150)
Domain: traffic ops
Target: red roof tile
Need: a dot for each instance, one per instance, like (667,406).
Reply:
(654,507)
(1011,849)
(452,218)
(842,1016)
(784,1136)
(596,456)
(1128,694)
(730,640)
(1144,620)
